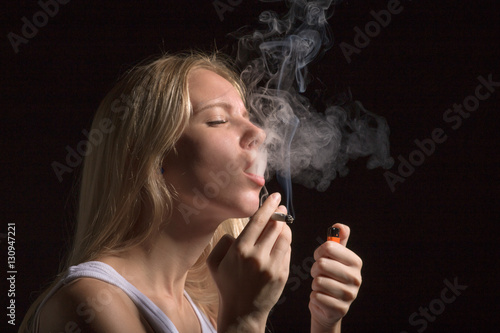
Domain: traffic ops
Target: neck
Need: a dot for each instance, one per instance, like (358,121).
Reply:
(160,265)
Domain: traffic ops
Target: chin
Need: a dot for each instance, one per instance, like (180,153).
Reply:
(248,206)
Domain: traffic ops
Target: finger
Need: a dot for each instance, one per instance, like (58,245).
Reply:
(282,243)
(281,209)
(271,231)
(344,232)
(219,252)
(336,251)
(259,220)
(279,258)
(334,288)
(335,270)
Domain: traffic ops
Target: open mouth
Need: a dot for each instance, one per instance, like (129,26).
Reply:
(257,179)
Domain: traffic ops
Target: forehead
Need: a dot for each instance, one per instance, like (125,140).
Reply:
(206,86)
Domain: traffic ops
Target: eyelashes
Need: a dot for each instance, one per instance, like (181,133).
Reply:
(216,122)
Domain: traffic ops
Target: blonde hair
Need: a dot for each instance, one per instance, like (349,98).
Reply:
(123,196)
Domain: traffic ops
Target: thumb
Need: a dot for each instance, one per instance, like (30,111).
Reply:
(219,252)
(344,232)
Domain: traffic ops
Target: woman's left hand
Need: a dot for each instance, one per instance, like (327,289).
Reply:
(336,281)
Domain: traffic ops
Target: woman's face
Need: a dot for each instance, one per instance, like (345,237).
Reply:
(213,170)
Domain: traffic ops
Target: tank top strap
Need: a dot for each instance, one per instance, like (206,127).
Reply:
(101,271)
(151,312)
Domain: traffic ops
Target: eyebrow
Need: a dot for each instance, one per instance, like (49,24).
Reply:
(223,105)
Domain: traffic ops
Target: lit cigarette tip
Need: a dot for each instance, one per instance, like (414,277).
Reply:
(282,217)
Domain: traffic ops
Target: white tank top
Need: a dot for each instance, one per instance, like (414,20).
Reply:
(156,318)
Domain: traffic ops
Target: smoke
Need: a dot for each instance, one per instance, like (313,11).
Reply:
(304,145)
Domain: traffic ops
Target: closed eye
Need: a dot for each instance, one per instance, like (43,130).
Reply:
(216,122)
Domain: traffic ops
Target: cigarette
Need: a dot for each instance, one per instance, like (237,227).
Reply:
(282,217)
(333,234)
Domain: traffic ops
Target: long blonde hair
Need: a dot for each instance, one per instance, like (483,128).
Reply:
(123,196)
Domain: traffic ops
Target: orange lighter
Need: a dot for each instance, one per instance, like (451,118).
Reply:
(333,234)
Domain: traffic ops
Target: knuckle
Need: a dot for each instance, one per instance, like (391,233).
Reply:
(255,264)
(283,278)
(329,247)
(257,220)
(317,253)
(241,251)
(343,310)
(313,295)
(314,270)
(358,262)
(357,281)
(349,295)
(322,264)
(315,285)
(267,275)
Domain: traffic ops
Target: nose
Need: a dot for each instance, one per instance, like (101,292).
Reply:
(253,137)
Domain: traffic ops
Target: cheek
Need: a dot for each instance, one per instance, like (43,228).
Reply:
(200,163)
(218,155)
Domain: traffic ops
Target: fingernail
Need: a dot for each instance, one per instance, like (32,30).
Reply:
(276,196)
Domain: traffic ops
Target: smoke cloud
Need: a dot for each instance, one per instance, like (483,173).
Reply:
(304,145)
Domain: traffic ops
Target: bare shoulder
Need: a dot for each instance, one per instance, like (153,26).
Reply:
(90,305)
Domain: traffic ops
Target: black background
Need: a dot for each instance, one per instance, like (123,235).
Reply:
(440,223)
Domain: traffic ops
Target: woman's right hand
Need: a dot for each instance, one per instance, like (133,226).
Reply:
(251,270)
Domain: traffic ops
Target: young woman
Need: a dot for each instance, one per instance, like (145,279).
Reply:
(163,242)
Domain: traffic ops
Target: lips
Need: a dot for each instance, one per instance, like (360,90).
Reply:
(259,180)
